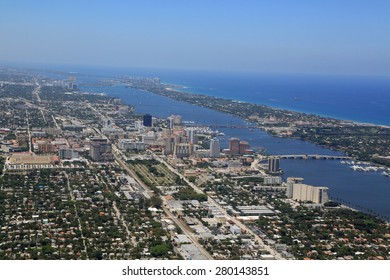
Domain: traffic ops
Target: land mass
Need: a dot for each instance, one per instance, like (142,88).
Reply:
(367,142)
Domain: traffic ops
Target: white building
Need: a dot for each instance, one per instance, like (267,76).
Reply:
(131,144)
(303,192)
(214,148)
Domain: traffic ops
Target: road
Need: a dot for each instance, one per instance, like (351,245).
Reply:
(28,133)
(118,154)
(223,210)
(77,214)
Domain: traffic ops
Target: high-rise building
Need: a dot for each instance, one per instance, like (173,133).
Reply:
(183,150)
(234,146)
(192,137)
(290,185)
(243,147)
(177,120)
(147,120)
(174,120)
(273,164)
(101,150)
(214,148)
(46,148)
(169,145)
(303,192)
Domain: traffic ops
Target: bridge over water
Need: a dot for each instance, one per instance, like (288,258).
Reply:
(313,157)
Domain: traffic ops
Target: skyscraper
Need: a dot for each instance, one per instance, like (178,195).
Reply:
(148,120)
(234,146)
(214,148)
(243,147)
(191,133)
(273,164)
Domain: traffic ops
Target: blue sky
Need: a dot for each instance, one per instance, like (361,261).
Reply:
(313,36)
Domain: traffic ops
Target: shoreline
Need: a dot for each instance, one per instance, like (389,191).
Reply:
(176,88)
(362,141)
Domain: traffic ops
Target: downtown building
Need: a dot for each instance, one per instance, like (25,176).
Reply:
(215,149)
(101,150)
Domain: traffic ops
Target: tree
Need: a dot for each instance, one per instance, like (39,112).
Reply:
(159,250)
(156,201)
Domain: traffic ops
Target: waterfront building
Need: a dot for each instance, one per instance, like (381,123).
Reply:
(244,148)
(303,192)
(174,120)
(273,164)
(290,184)
(147,120)
(215,148)
(234,146)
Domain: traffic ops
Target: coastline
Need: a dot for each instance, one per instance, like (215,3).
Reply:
(362,141)
(178,88)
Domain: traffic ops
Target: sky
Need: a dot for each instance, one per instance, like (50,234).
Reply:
(300,36)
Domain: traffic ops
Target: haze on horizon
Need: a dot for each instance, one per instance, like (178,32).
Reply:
(304,36)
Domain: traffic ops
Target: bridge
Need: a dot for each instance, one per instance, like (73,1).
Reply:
(234,126)
(313,157)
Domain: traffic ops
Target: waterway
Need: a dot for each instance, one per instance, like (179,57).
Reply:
(366,191)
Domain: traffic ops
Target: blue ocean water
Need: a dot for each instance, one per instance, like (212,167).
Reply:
(357,98)
(361,99)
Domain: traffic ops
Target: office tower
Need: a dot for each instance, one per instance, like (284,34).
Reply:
(183,150)
(101,150)
(177,120)
(273,164)
(243,147)
(147,120)
(234,146)
(169,145)
(170,122)
(174,120)
(214,148)
(192,137)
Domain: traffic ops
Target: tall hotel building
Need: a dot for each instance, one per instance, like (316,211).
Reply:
(273,164)
(234,146)
(214,148)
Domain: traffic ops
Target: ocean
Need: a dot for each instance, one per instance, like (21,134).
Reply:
(363,99)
